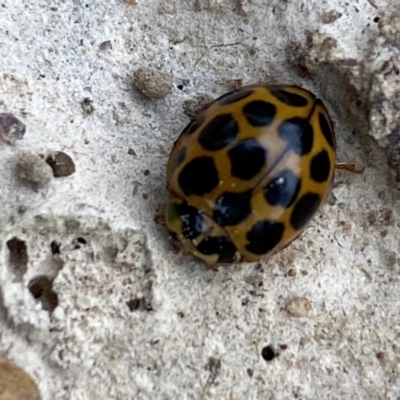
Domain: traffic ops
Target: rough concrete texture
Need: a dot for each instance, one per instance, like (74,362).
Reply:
(95,303)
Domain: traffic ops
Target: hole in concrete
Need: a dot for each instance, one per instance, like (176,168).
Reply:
(55,247)
(18,255)
(78,242)
(135,304)
(139,303)
(268,353)
(41,289)
(81,240)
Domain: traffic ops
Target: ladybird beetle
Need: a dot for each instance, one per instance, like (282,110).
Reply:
(246,175)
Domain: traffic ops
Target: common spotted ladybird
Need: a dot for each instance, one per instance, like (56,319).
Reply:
(246,175)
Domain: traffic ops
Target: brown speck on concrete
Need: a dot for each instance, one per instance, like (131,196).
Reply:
(15,383)
(61,164)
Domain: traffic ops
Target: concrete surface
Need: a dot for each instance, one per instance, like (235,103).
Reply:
(95,303)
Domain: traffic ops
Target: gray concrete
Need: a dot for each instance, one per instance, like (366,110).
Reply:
(135,319)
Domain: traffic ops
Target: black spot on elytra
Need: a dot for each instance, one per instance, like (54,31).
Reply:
(193,125)
(304,210)
(199,176)
(291,99)
(234,96)
(180,156)
(264,236)
(320,167)
(219,245)
(326,130)
(259,113)
(247,159)
(232,208)
(283,189)
(219,132)
(191,218)
(298,133)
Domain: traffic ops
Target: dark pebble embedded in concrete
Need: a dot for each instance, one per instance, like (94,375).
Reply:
(11,128)
(61,164)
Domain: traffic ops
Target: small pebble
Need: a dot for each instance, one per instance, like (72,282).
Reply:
(330,16)
(298,307)
(33,169)
(16,384)
(107,45)
(193,106)
(61,164)
(11,128)
(154,84)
